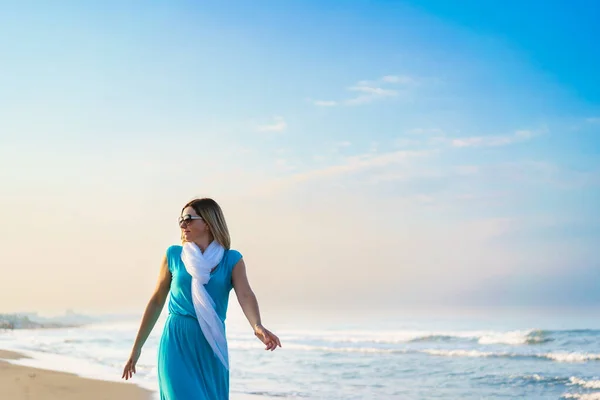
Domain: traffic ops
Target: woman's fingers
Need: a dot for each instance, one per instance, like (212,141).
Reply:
(129,370)
(276,339)
(273,342)
(267,342)
(270,340)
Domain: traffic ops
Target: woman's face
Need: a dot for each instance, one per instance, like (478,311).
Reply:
(192,225)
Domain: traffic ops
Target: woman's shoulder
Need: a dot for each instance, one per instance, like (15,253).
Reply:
(233,256)
(174,250)
(172,254)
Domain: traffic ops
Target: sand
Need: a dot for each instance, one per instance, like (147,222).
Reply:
(26,383)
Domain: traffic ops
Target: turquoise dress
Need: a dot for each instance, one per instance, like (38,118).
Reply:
(188,369)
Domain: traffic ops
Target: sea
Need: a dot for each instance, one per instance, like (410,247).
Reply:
(443,354)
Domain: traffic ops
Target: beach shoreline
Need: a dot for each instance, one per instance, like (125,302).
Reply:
(18,382)
(21,382)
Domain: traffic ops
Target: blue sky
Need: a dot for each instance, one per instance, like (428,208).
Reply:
(466,136)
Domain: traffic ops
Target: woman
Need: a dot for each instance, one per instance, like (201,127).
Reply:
(199,274)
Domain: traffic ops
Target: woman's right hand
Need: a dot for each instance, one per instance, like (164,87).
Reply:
(129,369)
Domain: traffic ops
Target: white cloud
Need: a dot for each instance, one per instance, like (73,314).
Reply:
(369,94)
(342,144)
(373,147)
(359,100)
(370,91)
(351,164)
(493,227)
(424,198)
(357,163)
(375,91)
(438,136)
(482,196)
(278,125)
(467,169)
(426,131)
(325,103)
(593,120)
(436,140)
(406,174)
(406,80)
(405,142)
(283,164)
(492,141)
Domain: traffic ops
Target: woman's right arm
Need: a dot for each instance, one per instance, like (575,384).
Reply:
(153,310)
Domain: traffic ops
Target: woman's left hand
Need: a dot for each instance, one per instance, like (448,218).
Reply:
(267,337)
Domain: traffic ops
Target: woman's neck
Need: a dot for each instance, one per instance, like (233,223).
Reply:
(204,242)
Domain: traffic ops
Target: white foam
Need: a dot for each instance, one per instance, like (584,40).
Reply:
(356,336)
(514,337)
(572,357)
(582,396)
(461,353)
(554,356)
(536,377)
(558,357)
(340,349)
(593,384)
(511,337)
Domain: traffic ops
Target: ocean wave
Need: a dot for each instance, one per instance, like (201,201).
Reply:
(463,353)
(536,378)
(514,337)
(593,384)
(570,381)
(582,396)
(307,347)
(533,336)
(573,357)
(286,395)
(327,349)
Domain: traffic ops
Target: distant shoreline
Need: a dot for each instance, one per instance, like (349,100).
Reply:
(10,327)
(32,321)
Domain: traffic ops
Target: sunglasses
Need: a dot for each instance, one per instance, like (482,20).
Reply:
(186,219)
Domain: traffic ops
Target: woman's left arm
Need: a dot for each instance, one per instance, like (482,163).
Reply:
(249,304)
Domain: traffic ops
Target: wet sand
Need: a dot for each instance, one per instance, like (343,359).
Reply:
(25,383)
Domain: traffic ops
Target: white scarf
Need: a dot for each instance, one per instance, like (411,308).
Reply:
(199,266)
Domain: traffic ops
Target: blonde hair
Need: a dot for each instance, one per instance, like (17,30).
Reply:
(211,213)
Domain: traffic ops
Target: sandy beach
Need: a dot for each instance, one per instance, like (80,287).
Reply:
(25,383)
(19,382)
